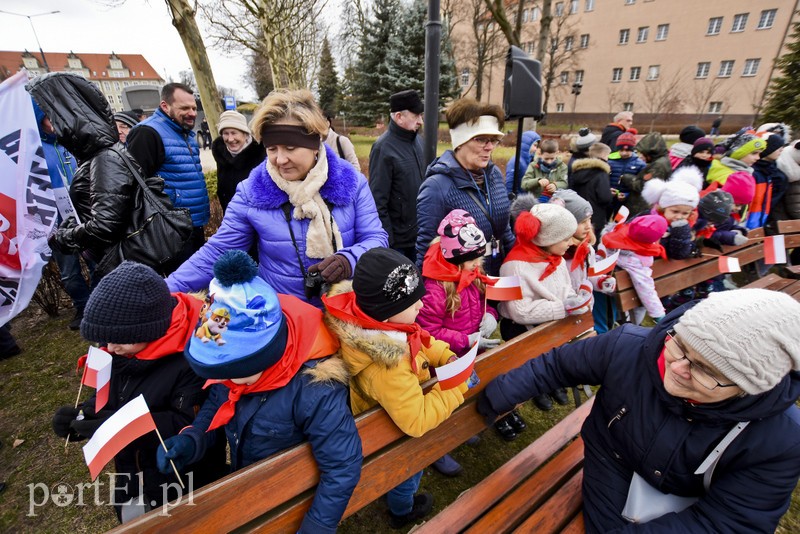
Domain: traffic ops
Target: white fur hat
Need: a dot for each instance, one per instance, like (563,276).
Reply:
(682,189)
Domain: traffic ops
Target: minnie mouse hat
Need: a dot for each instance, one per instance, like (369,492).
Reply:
(461,239)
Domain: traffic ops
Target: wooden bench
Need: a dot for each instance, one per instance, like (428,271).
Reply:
(775,282)
(274,494)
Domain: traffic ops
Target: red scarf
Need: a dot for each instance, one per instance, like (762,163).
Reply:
(181,328)
(308,339)
(344,308)
(580,253)
(526,251)
(436,267)
(619,239)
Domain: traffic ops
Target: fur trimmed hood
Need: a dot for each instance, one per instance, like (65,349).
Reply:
(359,346)
(332,369)
(590,163)
(340,189)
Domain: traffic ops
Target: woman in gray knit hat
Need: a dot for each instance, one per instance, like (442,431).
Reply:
(700,407)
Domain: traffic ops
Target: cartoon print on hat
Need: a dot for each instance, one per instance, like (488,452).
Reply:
(460,238)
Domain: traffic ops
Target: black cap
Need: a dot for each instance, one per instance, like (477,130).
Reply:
(690,134)
(385,283)
(408,99)
(716,206)
(127,117)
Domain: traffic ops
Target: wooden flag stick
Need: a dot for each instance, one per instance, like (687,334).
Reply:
(177,475)
(712,255)
(77,400)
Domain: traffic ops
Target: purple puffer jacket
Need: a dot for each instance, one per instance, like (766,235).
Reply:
(443,326)
(255,215)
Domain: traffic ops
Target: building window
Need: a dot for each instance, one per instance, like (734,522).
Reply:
(133,73)
(653,71)
(703,69)
(573,7)
(627,106)
(564,78)
(559,9)
(569,42)
(535,14)
(636,72)
(524,15)
(751,67)
(553,44)
(116,86)
(560,107)
(715,107)
(464,77)
(110,99)
(589,5)
(579,76)
(725,68)
(714,26)
(739,22)
(616,74)
(624,36)
(585,40)
(641,36)
(662,32)
(630,2)
(767,19)
(94,73)
(106,86)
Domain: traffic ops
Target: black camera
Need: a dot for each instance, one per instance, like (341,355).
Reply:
(312,283)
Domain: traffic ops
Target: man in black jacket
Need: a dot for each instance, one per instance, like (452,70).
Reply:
(396,169)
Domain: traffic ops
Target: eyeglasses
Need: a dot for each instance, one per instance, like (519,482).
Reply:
(486,141)
(703,376)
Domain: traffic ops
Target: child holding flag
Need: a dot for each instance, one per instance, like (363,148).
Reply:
(144,328)
(389,356)
(676,201)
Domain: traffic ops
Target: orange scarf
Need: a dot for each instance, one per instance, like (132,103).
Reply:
(436,267)
(307,339)
(619,239)
(345,308)
(580,254)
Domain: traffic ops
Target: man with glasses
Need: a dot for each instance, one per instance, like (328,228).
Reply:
(396,169)
(668,397)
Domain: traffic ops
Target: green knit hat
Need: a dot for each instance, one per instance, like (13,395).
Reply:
(753,145)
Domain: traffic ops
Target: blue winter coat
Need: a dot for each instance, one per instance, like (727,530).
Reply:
(528,139)
(636,425)
(255,216)
(620,166)
(272,421)
(445,189)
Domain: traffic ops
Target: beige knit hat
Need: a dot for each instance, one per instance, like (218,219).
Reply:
(557,224)
(232,119)
(750,335)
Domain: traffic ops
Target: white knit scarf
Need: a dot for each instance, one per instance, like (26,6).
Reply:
(246,144)
(308,204)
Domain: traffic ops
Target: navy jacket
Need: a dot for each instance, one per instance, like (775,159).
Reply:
(446,188)
(635,425)
(271,421)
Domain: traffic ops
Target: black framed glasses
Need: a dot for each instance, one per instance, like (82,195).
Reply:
(486,141)
(699,372)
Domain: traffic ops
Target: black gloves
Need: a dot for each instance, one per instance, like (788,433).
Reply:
(78,424)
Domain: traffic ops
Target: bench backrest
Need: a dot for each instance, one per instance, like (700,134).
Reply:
(276,492)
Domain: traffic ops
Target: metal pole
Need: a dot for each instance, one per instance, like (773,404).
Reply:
(29,17)
(433,36)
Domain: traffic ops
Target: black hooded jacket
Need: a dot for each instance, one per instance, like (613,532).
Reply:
(103,187)
(233,169)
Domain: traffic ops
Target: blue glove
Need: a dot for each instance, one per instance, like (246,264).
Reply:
(180,449)
(473,380)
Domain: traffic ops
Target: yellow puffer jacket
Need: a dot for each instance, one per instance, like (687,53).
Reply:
(380,373)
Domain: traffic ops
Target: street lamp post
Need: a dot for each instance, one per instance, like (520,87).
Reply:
(576,90)
(29,17)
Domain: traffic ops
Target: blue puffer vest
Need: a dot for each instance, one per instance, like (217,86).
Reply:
(182,172)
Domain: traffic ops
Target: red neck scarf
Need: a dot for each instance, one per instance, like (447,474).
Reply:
(619,239)
(308,339)
(580,253)
(344,308)
(436,267)
(525,250)
(181,328)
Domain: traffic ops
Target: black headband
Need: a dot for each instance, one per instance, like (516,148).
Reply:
(288,135)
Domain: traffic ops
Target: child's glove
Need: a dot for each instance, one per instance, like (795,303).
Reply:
(484,343)
(608,285)
(488,325)
(86,427)
(679,223)
(576,305)
(180,449)
(62,420)
(739,239)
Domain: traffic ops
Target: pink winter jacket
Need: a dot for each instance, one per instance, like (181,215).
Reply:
(448,328)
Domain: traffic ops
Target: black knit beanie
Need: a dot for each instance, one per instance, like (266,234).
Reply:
(716,206)
(131,304)
(385,283)
(690,134)
(774,142)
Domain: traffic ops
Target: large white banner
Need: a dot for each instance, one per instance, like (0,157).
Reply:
(27,206)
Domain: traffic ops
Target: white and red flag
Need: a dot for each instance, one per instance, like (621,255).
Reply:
(728,264)
(128,423)
(506,288)
(97,375)
(622,215)
(458,371)
(603,266)
(774,249)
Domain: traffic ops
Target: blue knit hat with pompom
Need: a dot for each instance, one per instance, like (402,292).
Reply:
(241,330)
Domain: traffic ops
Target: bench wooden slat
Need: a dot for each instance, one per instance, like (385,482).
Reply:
(791,226)
(558,511)
(473,502)
(575,526)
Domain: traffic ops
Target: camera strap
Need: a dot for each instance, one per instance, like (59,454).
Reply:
(287,214)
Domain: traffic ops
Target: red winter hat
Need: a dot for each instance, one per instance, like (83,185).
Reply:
(626,139)
(742,187)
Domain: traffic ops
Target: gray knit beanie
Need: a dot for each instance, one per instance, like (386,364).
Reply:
(575,204)
(749,335)
(557,224)
(131,304)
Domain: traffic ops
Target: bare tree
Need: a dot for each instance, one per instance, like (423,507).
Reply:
(186,77)
(354,22)
(479,49)
(663,96)
(703,92)
(755,97)
(498,10)
(561,53)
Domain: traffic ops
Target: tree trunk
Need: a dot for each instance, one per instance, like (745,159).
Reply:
(498,12)
(184,21)
(544,31)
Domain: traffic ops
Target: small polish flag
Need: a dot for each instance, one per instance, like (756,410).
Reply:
(457,372)
(506,288)
(127,424)
(604,266)
(727,264)
(97,375)
(622,214)
(774,249)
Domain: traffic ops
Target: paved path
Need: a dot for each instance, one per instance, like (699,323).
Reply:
(207,160)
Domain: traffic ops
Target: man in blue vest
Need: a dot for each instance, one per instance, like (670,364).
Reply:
(164,144)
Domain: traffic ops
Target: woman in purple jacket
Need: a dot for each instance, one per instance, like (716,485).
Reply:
(310,215)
